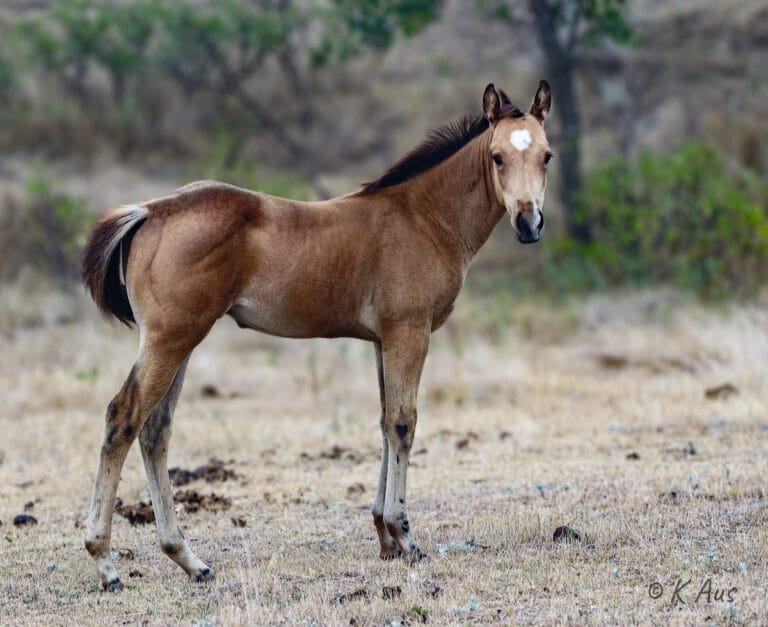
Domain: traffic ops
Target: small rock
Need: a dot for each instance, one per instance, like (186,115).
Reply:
(633,455)
(210,391)
(125,554)
(29,505)
(612,362)
(24,519)
(669,496)
(721,392)
(135,573)
(239,521)
(355,488)
(566,534)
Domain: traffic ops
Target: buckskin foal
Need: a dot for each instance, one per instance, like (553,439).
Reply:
(384,264)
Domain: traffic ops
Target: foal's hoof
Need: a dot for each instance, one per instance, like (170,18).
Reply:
(390,554)
(416,555)
(114,586)
(390,550)
(203,576)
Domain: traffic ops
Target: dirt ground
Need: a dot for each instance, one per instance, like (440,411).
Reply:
(640,422)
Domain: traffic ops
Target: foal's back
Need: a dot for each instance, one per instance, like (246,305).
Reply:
(289,268)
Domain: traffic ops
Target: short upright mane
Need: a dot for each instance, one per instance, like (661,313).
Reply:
(440,144)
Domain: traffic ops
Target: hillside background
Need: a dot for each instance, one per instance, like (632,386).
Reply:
(95,114)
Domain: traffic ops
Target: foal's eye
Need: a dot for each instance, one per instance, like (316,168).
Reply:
(497,159)
(547,157)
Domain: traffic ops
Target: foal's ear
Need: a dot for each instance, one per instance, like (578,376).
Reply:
(541,102)
(491,104)
(505,101)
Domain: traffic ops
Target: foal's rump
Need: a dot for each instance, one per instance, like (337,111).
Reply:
(180,252)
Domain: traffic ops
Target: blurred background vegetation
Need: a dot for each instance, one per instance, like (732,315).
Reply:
(658,124)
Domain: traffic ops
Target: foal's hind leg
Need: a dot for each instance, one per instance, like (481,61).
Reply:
(154,438)
(146,384)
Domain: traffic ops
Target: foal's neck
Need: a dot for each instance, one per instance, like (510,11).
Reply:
(457,199)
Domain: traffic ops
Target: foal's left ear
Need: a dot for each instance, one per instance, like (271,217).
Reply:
(491,104)
(541,102)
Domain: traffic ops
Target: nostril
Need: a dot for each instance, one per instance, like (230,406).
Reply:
(540,225)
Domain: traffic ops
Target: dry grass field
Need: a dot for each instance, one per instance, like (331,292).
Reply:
(593,415)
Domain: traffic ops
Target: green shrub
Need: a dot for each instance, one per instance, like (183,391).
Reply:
(220,165)
(44,230)
(679,219)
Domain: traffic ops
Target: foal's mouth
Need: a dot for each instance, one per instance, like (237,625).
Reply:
(528,240)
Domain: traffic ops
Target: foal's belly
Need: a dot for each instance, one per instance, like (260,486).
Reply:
(277,319)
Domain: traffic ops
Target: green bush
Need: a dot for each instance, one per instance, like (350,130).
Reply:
(219,165)
(44,230)
(678,219)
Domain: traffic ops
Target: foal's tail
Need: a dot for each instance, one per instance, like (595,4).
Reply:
(106,254)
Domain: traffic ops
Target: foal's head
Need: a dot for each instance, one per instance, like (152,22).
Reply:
(519,156)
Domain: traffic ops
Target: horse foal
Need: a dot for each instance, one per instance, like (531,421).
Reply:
(384,264)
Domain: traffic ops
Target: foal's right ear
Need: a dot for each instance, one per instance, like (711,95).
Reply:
(491,104)
(542,102)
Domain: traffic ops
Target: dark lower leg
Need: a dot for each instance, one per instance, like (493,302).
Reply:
(389,548)
(120,431)
(145,385)
(400,436)
(154,438)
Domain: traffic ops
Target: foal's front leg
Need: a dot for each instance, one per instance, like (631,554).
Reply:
(389,548)
(404,349)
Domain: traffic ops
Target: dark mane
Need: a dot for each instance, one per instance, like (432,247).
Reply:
(439,145)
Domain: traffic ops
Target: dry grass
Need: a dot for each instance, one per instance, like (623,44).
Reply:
(593,415)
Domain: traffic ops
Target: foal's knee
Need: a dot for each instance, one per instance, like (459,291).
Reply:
(402,427)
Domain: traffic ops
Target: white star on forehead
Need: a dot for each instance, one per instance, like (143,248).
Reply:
(520,139)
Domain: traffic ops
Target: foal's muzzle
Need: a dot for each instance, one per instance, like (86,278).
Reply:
(529,228)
